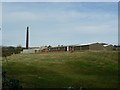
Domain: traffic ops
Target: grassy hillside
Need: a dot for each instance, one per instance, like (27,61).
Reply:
(62,69)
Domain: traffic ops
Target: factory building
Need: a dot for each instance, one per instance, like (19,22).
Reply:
(78,47)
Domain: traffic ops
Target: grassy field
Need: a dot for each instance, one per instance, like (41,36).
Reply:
(63,69)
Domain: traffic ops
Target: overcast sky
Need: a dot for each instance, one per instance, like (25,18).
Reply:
(59,0)
(59,23)
(0,13)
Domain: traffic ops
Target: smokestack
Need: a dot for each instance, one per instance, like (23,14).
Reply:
(27,38)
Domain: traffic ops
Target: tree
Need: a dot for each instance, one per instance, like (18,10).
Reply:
(18,49)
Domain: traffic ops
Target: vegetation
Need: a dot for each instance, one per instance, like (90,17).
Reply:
(7,51)
(63,69)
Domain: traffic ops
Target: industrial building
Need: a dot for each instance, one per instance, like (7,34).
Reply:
(71,48)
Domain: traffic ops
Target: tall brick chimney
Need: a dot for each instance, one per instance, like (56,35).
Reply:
(27,38)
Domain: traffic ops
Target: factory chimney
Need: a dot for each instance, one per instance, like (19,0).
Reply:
(27,38)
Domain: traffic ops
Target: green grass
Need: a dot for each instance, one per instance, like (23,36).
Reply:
(62,69)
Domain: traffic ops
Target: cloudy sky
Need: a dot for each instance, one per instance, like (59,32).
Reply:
(0,13)
(59,23)
(60,0)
